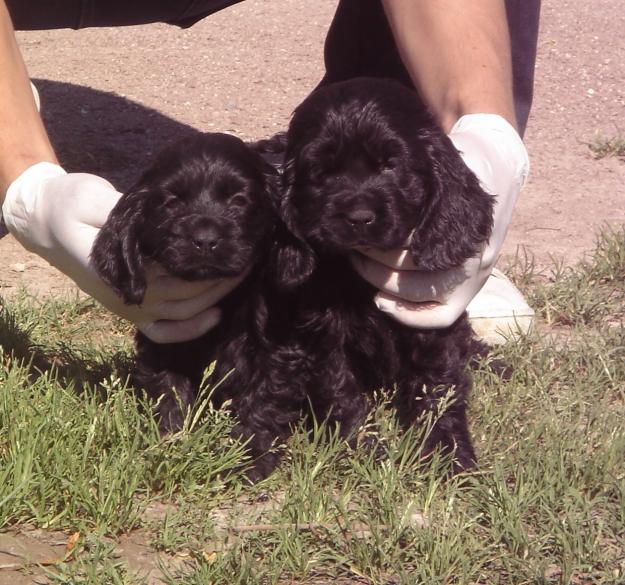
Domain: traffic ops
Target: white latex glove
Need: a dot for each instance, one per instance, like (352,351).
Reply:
(494,151)
(57,215)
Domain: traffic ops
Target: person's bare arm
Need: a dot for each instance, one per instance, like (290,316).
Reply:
(23,139)
(457,54)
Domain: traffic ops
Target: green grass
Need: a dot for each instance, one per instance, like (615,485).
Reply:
(79,452)
(588,294)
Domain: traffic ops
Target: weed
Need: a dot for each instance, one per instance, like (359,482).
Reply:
(80,451)
(602,147)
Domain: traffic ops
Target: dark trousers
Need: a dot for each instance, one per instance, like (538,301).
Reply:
(48,14)
(359,41)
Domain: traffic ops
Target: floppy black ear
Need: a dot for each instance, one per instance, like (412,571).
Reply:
(459,214)
(273,185)
(292,260)
(116,255)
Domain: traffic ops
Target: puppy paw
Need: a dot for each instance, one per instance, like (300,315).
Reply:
(373,445)
(261,448)
(464,455)
(262,467)
(170,415)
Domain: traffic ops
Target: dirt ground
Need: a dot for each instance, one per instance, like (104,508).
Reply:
(112,97)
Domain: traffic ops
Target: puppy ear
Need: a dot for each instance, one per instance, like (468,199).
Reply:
(273,186)
(292,260)
(271,153)
(116,255)
(458,217)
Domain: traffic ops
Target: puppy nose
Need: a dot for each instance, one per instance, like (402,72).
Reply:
(360,216)
(205,238)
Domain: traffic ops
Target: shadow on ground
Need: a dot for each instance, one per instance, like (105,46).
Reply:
(104,133)
(68,364)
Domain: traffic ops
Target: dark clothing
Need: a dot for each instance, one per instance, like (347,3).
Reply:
(523,17)
(42,15)
(359,41)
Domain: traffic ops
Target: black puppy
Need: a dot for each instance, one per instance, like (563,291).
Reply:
(206,209)
(366,166)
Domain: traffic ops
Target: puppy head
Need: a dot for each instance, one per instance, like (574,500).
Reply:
(202,210)
(367,166)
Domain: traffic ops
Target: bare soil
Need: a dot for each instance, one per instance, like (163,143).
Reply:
(113,97)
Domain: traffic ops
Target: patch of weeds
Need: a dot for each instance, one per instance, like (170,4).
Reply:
(588,293)
(571,298)
(242,566)
(95,562)
(552,453)
(607,261)
(546,504)
(187,526)
(345,516)
(75,338)
(54,319)
(602,147)
(201,459)
(92,460)
(522,270)
(66,459)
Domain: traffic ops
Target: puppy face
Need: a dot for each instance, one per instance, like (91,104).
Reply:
(208,213)
(203,210)
(367,166)
(354,181)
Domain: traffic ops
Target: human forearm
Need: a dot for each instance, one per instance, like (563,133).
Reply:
(23,139)
(457,54)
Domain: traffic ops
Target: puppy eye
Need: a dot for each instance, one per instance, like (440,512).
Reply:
(330,174)
(239,200)
(229,188)
(385,165)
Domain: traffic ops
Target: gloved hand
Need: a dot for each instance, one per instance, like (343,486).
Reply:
(57,215)
(494,151)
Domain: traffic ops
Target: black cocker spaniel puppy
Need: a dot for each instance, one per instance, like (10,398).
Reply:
(366,166)
(207,209)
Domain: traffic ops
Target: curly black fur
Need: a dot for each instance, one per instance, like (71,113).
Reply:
(206,209)
(365,164)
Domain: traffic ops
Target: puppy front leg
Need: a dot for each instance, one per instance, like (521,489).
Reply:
(420,401)
(263,447)
(167,380)
(269,406)
(264,423)
(172,393)
(434,385)
(339,395)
